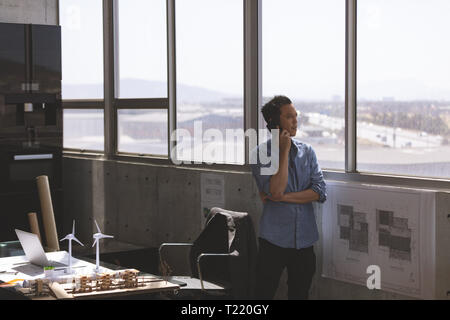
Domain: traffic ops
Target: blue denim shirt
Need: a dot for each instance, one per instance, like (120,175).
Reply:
(284,224)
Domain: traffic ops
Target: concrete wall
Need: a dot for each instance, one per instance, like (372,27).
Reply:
(29,11)
(146,205)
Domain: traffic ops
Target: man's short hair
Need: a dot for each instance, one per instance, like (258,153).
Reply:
(271,111)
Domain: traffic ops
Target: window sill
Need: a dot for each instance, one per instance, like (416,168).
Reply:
(329,174)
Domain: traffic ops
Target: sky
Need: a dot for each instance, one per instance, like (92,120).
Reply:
(402,46)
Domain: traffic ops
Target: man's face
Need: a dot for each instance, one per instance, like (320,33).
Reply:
(288,119)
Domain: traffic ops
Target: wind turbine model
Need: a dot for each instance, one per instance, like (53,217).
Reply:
(97,237)
(70,237)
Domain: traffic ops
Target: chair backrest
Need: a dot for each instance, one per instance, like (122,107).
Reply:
(225,232)
(213,239)
(243,269)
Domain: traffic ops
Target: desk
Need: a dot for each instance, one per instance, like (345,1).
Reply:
(153,284)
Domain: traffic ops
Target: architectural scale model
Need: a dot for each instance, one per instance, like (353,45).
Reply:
(80,284)
(110,281)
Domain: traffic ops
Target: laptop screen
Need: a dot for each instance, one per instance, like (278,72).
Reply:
(32,247)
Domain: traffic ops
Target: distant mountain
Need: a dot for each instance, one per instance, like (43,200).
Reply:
(135,88)
(406,89)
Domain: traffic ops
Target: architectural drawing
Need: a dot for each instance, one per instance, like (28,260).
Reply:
(354,228)
(394,234)
(385,226)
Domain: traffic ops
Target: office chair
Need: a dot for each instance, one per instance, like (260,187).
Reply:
(222,258)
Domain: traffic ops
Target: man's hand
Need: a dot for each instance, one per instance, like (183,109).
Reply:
(299,197)
(285,141)
(264,197)
(276,198)
(278,181)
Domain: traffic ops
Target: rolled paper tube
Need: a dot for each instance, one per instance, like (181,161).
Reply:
(59,291)
(34,225)
(48,216)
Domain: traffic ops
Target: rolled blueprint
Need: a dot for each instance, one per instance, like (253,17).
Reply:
(48,217)
(59,291)
(34,225)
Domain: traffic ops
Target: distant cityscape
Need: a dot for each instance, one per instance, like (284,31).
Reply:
(402,137)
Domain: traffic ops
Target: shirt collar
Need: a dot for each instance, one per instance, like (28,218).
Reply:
(294,147)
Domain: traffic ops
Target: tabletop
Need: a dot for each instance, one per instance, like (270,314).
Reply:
(14,269)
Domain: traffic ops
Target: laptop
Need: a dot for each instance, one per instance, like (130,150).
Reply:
(34,251)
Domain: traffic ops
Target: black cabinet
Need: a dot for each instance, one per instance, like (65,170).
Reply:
(30,59)
(46,59)
(13,71)
(31,123)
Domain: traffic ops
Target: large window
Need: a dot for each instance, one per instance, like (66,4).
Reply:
(141,96)
(83,129)
(209,62)
(143,131)
(402,79)
(142,49)
(82,74)
(404,87)
(303,57)
(82,49)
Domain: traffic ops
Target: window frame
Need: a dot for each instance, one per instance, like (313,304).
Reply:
(82,104)
(93,104)
(252,97)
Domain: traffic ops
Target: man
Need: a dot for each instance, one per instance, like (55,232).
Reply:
(288,227)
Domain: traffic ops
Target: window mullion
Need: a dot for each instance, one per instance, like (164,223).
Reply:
(252,67)
(171,76)
(350,87)
(110,114)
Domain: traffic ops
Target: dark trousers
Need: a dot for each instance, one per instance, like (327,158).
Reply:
(300,263)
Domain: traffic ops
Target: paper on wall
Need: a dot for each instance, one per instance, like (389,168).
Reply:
(212,193)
